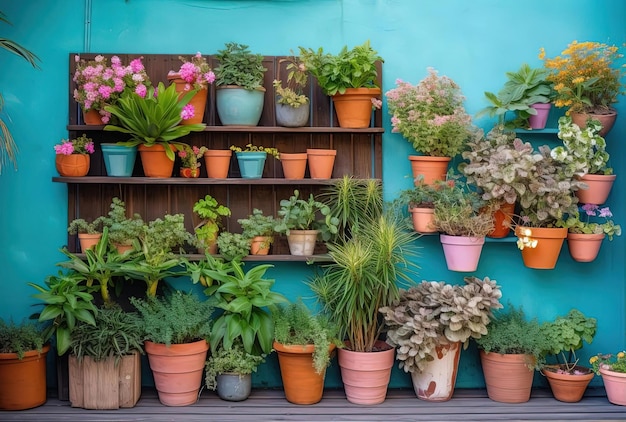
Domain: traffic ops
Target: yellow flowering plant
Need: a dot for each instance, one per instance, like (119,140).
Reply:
(254,148)
(611,362)
(585,76)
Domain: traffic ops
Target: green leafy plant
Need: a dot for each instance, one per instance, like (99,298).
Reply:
(21,338)
(363,277)
(295,324)
(297,78)
(583,150)
(175,318)
(211,212)
(239,66)
(243,296)
(575,224)
(153,119)
(257,224)
(433,314)
(122,230)
(525,87)
(116,333)
(66,300)
(80,225)
(233,360)
(354,68)
(566,334)
(304,214)
(233,246)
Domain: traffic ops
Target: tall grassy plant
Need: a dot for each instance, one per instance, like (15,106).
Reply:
(364,277)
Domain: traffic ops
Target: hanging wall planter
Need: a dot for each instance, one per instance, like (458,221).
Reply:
(462,253)
(548,247)
(584,247)
(423,219)
(600,186)
(606,120)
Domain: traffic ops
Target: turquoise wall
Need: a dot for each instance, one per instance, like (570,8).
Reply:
(474,43)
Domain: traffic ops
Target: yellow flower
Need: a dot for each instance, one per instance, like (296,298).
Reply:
(577,80)
(542,53)
(593,360)
(621,355)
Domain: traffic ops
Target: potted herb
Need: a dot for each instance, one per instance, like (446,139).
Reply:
(526,95)
(239,77)
(251,159)
(229,371)
(193,75)
(23,351)
(89,233)
(420,203)
(72,156)
(153,122)
(363,277)
(304,221)
(124,231)
(211,213)
(259,230)
(350,78)
(108,351)
(233,246)
(566,334)
(612,368)
(429,322)
(431,116)
(512,349)
(292,105)
(593,95)
(176,330)
(304,342)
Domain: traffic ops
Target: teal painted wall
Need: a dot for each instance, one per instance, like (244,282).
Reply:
(474,42)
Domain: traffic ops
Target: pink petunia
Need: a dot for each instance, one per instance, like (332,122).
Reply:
(141,90)
(90,148)
(605,212)
(188,112)
(136,65)
(210,77)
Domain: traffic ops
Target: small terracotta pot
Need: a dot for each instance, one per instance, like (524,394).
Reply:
(198,101)
(549,242)
(615,386)
(155,162)
(217,162)
(599,188)
(73,165)
(568,388)
(88,241)
(321,162)
(260,245)
(606,120)
(354,107)
(92,117)
(462,253)
(430,168)
(584,247)
(423,219)
(294,165)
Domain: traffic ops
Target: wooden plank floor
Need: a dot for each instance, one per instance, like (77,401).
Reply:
(400,405)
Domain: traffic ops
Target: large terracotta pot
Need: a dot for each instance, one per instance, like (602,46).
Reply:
(568,388)
(23,381)
(302,384)
(508,377)
(354,107)
(321,162)
(584,247)
(615,386)
(606,120)
(366,375)
(155,162)
(217,162)
(198,101)
(600,186)
(431,168)
(549,242)
(436,382)
(177,370)
(73,165)
(423,219)
(294,164)
(462,253)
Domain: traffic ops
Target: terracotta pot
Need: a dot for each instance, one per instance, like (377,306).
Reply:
(155,162)
(294,165)
(88,241)
(500,216)
(508,377)
(606,120)
(177,370)
(302,384)
(436,382)
(23,382)
(189,173)
(92,117)
(615,386)
(462,253)
(568,388)
(122,248)
(423,219)
(198,101)
(600,186)
(584,247)
(73,165)
(260,245)
(366,375)
(354,107)
(539,120)
(321,162)
(217,162)
(549,242)
(302,242)
(430,168)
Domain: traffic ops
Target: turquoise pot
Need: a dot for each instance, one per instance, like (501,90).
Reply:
(239,107)
(251,164)
(119,160)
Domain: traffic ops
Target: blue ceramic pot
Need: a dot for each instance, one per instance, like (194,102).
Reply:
(251,164)
(239,107)
(119,160)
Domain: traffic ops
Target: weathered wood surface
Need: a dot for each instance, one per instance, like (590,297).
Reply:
(400,405)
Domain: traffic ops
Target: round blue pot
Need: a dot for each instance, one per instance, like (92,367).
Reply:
(119,160)
(251,164)
(239,107)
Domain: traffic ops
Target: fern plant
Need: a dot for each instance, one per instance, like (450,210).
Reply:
(21,338)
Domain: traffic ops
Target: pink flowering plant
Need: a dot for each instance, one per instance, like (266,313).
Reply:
(190,155)
(80,145)
(611,362)
(99,83)
(431,115)
(196,73)
(587,225)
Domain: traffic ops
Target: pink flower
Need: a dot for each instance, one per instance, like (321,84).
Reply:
(188,72)
(188,112)
(210,77)
(141,90)
(182,153)
(136,65)
(90,148)
(605,212)
(66,148)
(590,209)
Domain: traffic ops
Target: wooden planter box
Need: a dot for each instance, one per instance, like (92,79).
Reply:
(103,384)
